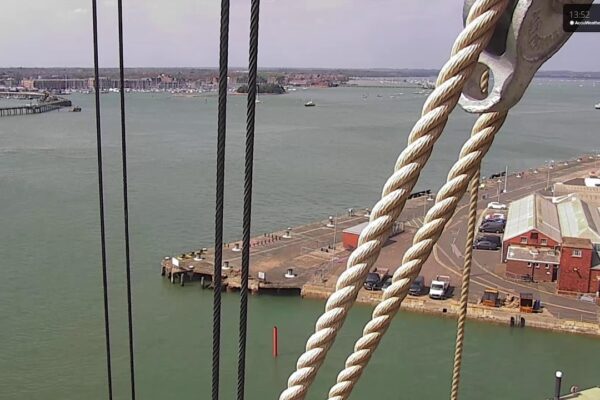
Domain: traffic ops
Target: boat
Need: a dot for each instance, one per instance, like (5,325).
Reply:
(597,106)
(309,104)
(76,109)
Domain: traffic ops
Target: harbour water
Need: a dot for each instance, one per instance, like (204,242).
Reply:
(310,163)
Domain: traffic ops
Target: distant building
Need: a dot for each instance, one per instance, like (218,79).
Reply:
(55,84)
(587,189)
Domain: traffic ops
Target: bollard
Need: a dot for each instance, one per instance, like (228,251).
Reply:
(557,383)
(275,342)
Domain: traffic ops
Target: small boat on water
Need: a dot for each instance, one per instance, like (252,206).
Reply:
(76,109)
(309,104)
(597,106)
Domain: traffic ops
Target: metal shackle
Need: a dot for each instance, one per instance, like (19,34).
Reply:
(526,36)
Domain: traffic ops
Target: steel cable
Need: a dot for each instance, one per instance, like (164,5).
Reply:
(220,194)
(247,219)
(101,199)
(126,199)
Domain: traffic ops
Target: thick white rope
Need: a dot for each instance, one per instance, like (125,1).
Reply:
(436,219)
(466,50)
(467,262)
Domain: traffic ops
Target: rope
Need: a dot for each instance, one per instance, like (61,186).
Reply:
(101,199)
(220,194)
(465,52)
(126,199)
(249,163)
(466,272)
(436,219)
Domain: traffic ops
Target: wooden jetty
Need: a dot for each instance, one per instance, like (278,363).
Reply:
(283,261)
(41,107)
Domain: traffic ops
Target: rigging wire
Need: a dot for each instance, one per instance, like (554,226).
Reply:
(101,199)
(247,223)
(220,189)
(126,198)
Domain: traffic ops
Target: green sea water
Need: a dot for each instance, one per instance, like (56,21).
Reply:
(310,163)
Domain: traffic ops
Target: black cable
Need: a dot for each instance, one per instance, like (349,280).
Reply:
(101,198)
(247,223)
(125,198)
(220,189)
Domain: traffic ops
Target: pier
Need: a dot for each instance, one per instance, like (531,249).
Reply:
(41,107)
(307,260)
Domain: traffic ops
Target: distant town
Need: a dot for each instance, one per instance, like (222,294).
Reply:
(67,80)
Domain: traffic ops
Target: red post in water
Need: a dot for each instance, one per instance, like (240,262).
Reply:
(275,342)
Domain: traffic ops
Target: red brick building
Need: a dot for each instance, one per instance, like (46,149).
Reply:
(576,265)
(531,244)
(547,241)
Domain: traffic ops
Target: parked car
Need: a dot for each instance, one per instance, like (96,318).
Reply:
(494,216)
(439,287)
(492,227)
(417,288)
(386,284)
(487,243)
(494,205)
(373,282)
(376,279)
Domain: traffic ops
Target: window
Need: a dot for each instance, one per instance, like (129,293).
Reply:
(528,265)
(523,240)
(576,253)
(544,242)
(534,235)
(536,265)
(547,266)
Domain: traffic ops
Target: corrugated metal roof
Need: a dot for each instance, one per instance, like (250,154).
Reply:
(532,212)
(578,219)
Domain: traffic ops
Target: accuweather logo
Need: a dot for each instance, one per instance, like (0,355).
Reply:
(582,23)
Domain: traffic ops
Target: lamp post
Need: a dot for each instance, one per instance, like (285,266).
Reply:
(499,181)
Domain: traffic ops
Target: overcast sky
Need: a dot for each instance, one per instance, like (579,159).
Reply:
(293,33)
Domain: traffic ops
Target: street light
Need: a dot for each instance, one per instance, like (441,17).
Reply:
(499,181)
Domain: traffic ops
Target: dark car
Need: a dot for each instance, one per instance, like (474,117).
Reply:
(417,288)
(487,243)
(373,282)
(386,284)
(492,227)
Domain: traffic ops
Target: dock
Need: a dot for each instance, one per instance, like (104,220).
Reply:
(41,107)
(307,260)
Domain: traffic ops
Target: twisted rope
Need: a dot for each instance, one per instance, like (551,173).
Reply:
(466,272)
(469,44)
(436,219)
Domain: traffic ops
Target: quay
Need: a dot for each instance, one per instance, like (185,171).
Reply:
(42,106)
(307,260)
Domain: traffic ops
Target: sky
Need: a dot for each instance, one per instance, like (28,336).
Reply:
(293,33)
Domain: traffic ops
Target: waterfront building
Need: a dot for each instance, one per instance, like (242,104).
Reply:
(532,239)
(554,240)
